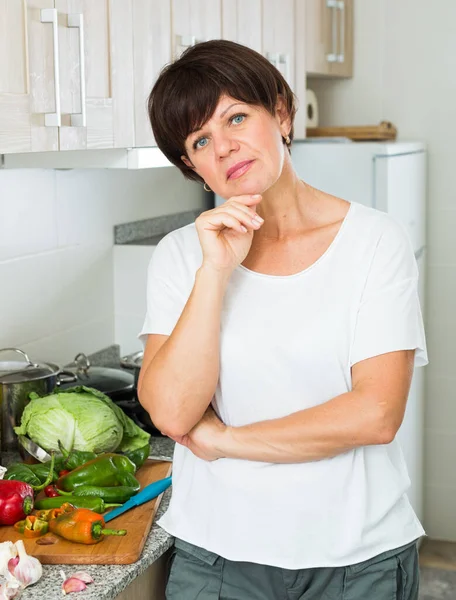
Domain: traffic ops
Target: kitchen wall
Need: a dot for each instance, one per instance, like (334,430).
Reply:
(56,251)
(405,72)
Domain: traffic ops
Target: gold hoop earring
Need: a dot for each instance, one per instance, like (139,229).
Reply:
(208,189)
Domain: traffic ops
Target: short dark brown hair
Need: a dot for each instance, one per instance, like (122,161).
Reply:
(187,92)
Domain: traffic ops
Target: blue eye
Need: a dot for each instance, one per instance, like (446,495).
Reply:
(198,143)
(236,118)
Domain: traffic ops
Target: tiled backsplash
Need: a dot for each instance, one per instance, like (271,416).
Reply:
(56,251)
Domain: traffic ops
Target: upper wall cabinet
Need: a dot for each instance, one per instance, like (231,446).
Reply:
(279,36)
(329,38)
(194,21)
(27,78)
(66,75)
(241,22)
(152,51)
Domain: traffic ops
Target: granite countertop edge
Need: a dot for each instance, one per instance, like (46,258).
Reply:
(111,580)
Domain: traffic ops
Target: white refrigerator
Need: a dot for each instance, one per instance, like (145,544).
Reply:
(390,177)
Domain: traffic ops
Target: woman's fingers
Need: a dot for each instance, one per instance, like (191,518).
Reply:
(249,219)
(219,220)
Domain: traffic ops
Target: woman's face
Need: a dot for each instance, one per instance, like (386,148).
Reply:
(240,149)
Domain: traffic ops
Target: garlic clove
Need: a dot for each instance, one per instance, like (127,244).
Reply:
(28,570)
(7,550)
(83,576)
(12,564)
(10,590)
(73,585)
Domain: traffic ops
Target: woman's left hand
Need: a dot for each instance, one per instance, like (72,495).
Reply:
(203,440)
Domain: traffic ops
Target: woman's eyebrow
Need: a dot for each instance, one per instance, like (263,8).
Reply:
(221,116)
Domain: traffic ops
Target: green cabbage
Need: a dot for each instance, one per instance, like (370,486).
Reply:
(82,419)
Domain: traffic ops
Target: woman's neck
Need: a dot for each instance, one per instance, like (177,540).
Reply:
(286,206)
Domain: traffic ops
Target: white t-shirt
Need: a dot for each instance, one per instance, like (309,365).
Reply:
(287,344)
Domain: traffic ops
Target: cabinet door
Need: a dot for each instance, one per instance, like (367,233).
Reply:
(300,83)
(96,73)
(241,22)
(27,82)
(151,51)
(279,36)
(194,21)
(329,37)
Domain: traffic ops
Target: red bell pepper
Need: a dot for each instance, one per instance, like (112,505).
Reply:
(16,501)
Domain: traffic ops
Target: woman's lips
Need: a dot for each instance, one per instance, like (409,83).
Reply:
(243,168)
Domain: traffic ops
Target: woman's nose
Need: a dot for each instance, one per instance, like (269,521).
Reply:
(224,144)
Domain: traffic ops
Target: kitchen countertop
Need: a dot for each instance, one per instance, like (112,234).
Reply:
(110,580)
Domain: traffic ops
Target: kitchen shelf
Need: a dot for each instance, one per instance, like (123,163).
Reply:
(115,158)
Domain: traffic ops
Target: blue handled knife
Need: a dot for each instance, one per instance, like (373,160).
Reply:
(150,492)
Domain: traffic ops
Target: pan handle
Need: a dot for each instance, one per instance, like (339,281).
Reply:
(66,377)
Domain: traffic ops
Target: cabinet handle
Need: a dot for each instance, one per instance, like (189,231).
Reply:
(49,15)
(336,5)
(341,55)
(79,119)
(182,43)
(274,58)
(285,60)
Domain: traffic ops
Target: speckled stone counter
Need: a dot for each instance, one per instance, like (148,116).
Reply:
(110,580)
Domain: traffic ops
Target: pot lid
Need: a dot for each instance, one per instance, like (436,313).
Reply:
(105,379)
(21,371)
(132,360)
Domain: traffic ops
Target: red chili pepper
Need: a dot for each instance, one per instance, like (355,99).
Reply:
(16,501)
(51,491)
(64,472)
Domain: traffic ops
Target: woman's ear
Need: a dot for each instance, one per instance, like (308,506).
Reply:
(187,162)
(282,116)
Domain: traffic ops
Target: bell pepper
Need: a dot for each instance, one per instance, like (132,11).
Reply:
(98,505)
(139,455)
(16,501)
(52,513)
(83,526)
(31,527)
(17,497)
(106,470)
(75,458)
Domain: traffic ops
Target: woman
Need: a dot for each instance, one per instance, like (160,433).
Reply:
(281,333)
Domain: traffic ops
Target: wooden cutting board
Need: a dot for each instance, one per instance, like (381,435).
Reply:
(112,550)
(384,131)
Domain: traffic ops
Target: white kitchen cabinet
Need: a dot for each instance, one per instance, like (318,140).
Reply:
(96,73)
(329,38)
(27,77)
(279,36)
(241,22)
(194,21)
(151,50)
(66,75)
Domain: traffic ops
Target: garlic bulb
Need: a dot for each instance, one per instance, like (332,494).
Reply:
(28,570)
(7,551)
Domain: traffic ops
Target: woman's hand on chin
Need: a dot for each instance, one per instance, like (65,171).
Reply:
(204,440)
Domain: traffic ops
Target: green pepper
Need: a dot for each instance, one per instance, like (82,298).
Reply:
(75,458)
(139,455)
(107,470)
(34,475)
(42,471)
(96,504)
(22,472)
(116,493)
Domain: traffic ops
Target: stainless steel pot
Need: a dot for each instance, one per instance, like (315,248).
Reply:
(133,361)
(17,380)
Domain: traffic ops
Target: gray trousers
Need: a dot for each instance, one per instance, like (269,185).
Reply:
(197,574)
